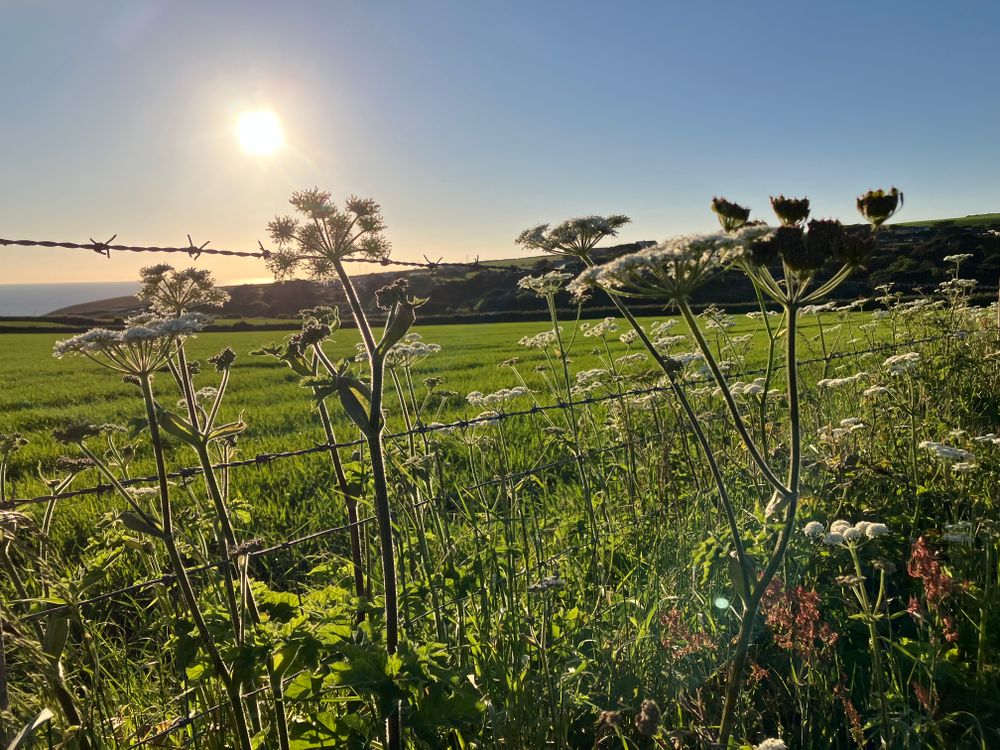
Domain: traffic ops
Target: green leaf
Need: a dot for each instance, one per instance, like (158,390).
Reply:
(401,319)
(223,431)
(134,522)
(28,730)
(56,634)
(355,397)
(177,427)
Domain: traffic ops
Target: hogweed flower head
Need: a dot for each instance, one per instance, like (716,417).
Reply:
(732,216)
(790,211)
(172,292)
(573,237)
(671,270)
(878,206)
(142,347)
(326,234)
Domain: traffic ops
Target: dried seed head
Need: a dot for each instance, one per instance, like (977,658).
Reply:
(877,206)
(732,216)
(790,211)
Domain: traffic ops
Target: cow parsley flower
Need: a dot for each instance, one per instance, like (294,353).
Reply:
(599,330)
(543,340)
(546,285)
(814,530)
(946,452)
(496,399)
(772,743)
(847,380)
(900,364)
(670,270)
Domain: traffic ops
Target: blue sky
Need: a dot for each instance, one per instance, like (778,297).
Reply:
(469,121)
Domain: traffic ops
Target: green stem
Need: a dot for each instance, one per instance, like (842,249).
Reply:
(181,575)
(794,476)
(373,437)
(727,396)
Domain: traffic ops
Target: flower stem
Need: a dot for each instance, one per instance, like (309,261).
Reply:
(181,575)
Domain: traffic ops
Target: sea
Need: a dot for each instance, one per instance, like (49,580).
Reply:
(40,299)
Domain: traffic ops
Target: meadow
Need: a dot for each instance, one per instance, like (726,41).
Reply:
(546,536)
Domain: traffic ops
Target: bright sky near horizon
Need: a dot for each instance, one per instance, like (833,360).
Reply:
(470,121)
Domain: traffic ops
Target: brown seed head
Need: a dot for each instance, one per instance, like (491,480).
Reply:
(732,216)
(790,211)
(877,206)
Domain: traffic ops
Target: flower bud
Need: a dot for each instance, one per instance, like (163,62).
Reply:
(731,215)
(857,246)
(648,719)
(824,241)
(789,243)
(790,211)
(878,205)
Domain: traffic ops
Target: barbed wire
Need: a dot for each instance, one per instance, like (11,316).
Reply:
(262,459)
(509,477)
(287,544)
(195,251)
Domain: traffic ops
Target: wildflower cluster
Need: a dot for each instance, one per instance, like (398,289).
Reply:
(172,292)
(573,237)
(844,532)
(326,234)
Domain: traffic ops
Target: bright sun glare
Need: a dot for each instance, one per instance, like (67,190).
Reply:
(259,132)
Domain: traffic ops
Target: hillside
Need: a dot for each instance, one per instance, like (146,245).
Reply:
(910,255)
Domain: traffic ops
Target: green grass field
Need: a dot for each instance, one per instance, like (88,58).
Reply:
(39,393)
(631,532)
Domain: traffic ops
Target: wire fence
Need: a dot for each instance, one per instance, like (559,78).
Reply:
(267,458)
(262,459)
(195,251)
(189,718)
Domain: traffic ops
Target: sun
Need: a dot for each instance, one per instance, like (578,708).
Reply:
(259,132)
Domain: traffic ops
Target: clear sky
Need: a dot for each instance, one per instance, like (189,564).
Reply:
(469,120)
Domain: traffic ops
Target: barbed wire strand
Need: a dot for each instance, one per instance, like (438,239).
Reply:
(194,251)
(288,544)
(312,536)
